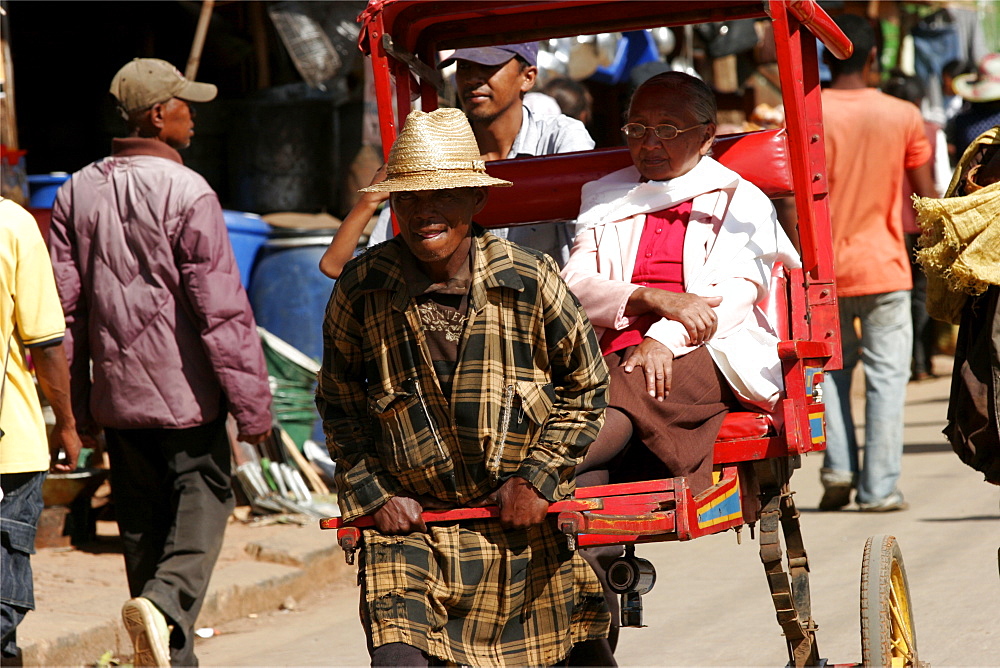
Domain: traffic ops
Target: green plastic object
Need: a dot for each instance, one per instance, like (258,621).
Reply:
(292,375)
(265,468)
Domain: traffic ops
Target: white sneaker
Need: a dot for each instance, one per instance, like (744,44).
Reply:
(887,505)
(147,627)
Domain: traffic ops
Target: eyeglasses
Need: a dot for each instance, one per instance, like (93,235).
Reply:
(638,130)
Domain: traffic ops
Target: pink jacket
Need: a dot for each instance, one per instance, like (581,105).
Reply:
(152,297)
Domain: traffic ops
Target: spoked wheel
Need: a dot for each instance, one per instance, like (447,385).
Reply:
(888,637)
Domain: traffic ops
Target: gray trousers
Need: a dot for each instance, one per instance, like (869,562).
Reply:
(173,496)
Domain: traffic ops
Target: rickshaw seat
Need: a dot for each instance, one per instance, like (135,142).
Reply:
(547,188)
(744,425)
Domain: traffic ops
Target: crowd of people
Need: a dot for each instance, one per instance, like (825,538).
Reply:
(467,367)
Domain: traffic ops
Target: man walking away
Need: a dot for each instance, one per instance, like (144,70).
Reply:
(153,300)
(872,140)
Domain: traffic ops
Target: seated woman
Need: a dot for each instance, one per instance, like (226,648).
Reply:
(672,258)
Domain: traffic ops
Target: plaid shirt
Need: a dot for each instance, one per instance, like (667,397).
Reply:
(528,398)
(528,394)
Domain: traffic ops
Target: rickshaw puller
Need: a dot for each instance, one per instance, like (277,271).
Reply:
(459,371)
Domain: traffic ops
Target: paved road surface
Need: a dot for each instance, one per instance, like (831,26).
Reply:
(711,606)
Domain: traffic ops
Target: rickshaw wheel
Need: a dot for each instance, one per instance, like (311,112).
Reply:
(888,636)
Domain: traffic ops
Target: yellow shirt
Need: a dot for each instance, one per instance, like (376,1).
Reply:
(30,315)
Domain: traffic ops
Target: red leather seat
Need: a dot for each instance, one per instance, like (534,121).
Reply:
(749,424)
(743,425)
(548,187)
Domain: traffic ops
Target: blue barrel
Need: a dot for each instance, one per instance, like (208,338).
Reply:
(42,189)
(247,233)
(288,292)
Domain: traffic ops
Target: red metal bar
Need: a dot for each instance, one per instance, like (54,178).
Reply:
(820,24)
(728,452)
(642,487)
(798,350)
(649,492)
(459,514)
(636,504)
(451,24)
(815,315)
(383,85)
(807,176)
(648,524)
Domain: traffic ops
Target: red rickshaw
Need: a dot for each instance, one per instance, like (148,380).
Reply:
(754,454)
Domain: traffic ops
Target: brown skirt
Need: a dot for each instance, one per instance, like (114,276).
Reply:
(680,430)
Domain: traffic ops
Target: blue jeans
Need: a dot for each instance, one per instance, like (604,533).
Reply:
(20,509)
(884,348)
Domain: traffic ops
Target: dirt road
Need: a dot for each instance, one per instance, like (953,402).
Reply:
(711,606)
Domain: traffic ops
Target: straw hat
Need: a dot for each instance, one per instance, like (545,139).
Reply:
(984,85)
(435,151)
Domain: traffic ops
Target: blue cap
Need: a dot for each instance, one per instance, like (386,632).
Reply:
(495,55)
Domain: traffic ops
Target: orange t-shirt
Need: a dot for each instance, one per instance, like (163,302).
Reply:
(871,139)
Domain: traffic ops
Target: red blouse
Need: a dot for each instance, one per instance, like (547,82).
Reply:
(659,263)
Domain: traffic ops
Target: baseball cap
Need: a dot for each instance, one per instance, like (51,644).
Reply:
(495,55)
(148,81)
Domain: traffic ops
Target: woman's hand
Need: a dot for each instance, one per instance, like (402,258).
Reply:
(693,311)
(657,362)
(399,515)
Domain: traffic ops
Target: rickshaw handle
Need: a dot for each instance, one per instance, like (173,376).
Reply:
(455,514)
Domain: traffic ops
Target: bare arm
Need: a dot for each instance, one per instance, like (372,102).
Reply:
(52,371)
(346,239)
(922,180)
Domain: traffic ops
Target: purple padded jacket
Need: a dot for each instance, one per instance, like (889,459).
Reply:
(152,296)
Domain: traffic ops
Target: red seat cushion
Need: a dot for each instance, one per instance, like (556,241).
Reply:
(745,424)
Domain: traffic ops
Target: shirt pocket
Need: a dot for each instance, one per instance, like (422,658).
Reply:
(409,445)
(525,407)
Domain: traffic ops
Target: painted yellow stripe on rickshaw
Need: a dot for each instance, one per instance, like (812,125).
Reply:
(723,494)
(722,509)
(816,428)
(720,520)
